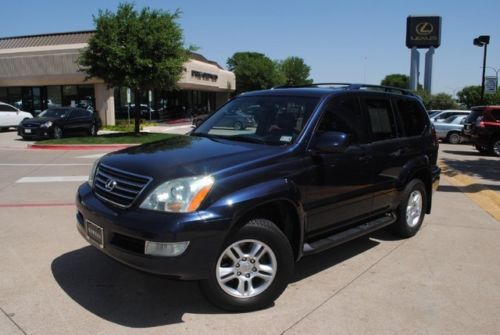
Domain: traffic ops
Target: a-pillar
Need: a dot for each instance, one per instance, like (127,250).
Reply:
(105,103)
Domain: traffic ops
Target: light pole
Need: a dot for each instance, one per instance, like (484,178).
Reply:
(482,41)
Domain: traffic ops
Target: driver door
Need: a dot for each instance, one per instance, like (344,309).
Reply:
(340,190)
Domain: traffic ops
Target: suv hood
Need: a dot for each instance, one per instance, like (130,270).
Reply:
(184,156)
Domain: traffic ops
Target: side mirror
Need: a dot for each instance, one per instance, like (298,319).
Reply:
(331,141)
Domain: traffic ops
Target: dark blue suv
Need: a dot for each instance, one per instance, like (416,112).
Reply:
(236,208)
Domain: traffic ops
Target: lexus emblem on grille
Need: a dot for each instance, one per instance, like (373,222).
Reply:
(110,185)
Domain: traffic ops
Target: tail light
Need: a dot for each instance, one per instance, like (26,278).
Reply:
(481,124)
(434,136)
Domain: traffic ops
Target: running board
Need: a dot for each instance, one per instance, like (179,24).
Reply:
(347,235)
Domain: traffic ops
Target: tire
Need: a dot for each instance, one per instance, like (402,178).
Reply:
(482,149)
(494,148)
(265,257)
(93,130)
(58,133)
(411,211)
(237,125)
(453,138)
(198,122)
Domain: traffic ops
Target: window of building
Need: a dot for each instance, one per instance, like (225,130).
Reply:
(54,96)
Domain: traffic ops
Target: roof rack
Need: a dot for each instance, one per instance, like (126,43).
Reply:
(350,86)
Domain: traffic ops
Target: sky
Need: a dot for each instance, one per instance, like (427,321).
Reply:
(342,41)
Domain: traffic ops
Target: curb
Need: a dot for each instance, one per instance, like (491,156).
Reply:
(79,146)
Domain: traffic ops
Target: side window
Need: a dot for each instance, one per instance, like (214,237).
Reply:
(412,118)
(6,108)
(343,114)
(496,114)
(381,119)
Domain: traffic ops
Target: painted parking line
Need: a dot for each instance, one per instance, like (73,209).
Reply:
(31,205)
(52,179)
(483,196)
(42,164)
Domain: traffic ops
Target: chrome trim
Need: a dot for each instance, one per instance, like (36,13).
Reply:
(122,181)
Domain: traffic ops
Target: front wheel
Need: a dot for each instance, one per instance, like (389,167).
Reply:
(411,211)
(58,133)
(93,130)
(252,269)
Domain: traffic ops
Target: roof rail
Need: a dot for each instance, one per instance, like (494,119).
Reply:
(350,86)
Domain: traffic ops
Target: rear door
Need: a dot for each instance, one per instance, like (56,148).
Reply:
(340,182)
(387,150)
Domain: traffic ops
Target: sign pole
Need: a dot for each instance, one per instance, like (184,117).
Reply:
(428,70)
(414,68)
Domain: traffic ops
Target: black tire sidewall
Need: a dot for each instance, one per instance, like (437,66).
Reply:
(450,135)
(401,227)
(55,131)
(265,231)
(492,146)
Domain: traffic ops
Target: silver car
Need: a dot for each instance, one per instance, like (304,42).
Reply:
(450,129)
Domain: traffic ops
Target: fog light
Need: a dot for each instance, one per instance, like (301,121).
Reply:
(165,249)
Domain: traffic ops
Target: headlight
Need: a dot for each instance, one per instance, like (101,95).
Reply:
(46,124)
(92,173)
(181,195)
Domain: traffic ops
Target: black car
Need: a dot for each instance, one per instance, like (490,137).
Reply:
(236,208)
(482,127)
(60,121)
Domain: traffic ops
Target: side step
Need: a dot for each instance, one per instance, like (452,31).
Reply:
(347,235)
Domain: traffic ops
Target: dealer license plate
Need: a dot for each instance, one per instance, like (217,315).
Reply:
(95,234)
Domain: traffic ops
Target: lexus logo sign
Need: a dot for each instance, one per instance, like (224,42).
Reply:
(110,185)
(423,31)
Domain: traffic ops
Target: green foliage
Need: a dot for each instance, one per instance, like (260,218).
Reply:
(471,96)
(396,80)
(443,101)
(253,70)
(141,50)
(293,71)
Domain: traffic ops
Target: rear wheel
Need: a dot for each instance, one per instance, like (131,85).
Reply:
(93,130)
(481,148)
(495,147)
(252,270)
(411,211)
(453,138)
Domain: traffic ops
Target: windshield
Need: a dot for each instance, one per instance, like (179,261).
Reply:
(60,113)
(276,120)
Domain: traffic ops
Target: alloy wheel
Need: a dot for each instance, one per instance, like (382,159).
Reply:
(414,208)
(246,268)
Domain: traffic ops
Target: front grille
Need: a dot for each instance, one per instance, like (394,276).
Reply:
(118,187)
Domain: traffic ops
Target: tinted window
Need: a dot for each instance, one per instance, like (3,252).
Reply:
(6,108)
(412,117)
(381,119)
(344,114)
(274,119)
(496,114)
(60,113)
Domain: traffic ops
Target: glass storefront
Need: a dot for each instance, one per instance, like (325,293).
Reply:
(39,98)
(166,105)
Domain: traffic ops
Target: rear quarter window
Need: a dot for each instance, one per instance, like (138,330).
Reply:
(381,119)
(412,117)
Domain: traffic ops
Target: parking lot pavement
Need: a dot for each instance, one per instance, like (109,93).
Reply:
(445,280)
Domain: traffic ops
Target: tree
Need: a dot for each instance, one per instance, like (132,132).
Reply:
(396,80)
(442,101)
(141,50)
(294,71)
(253,71)
(470,96)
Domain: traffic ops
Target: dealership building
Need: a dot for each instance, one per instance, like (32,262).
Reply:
(41,71)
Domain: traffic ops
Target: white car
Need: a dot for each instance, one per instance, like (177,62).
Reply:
(440,116)
(10,116)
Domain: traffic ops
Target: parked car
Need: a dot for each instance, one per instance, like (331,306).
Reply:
(450,129)
(11,116)
(482,126)
(60,121)
(443,115)
(237,208)
(146,112)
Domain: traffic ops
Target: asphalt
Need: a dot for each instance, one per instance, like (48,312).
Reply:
(445,280)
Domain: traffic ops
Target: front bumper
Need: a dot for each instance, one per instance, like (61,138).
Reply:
(33,131)
(125,233)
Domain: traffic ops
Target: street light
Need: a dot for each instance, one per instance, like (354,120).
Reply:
(482,41)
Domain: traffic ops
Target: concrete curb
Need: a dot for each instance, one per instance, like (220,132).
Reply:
(79,146)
